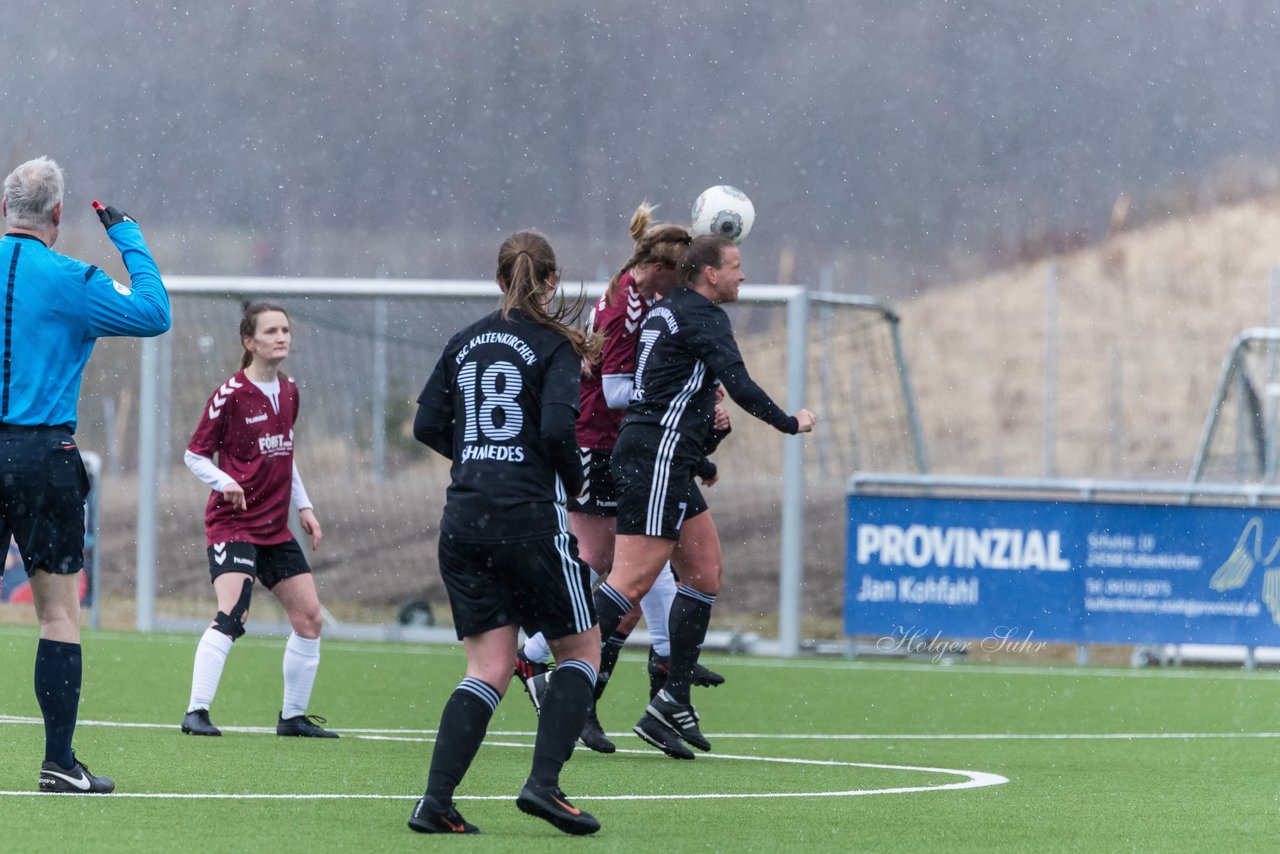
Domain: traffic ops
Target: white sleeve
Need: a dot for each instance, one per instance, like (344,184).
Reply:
(209,474)
(300,499)
(617,389)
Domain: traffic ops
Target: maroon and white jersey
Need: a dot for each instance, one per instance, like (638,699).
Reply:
(254,446)
(620,325)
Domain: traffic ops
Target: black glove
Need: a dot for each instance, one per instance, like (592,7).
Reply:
(110,216)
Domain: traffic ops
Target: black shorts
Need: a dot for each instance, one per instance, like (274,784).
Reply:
(43,485)
(600,498)
(269,564)
(539,585)
(654,496)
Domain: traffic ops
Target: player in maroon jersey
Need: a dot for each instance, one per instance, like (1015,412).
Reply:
(248,424)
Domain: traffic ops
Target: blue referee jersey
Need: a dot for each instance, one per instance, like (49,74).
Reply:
(55,307)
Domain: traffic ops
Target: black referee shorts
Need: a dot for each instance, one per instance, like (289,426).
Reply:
(539,585)
(656,485)
(43,485)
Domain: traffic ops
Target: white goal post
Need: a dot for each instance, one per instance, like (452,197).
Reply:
(362,332)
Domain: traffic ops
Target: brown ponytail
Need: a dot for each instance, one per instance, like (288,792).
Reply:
(526,265)
(662,243)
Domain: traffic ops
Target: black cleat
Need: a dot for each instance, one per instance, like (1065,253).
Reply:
(704,677)
(537,688)
(306,726)
(75,780)
(196,722)
(660,666)
(593,734)
(550,804)
(681,717)
(527,668)
(533,676)
(429,816)
(662,737)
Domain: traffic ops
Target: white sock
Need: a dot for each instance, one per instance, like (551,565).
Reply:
(656,605)
(537,649)
(211,656)
(301,661)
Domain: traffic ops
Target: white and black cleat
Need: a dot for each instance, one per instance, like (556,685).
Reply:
(75,780)
(681,717)
(662,737)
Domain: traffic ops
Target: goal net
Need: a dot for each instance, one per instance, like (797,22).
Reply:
(1239,441)
(362,349)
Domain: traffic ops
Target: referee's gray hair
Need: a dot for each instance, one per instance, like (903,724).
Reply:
(31,192)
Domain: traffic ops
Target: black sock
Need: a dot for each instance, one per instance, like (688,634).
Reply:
(564,711)
(609,652)
(463,723)
(659,666)
(611,607)
(58,675)
(690,616)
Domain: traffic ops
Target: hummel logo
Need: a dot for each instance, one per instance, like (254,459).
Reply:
(220,553)
(81,782)
(220,396)
(635,308)
(256,419)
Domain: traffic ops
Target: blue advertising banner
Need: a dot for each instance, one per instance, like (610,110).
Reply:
(1010,571)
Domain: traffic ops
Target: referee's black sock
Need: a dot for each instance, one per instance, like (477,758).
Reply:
(58,676)
(463,723)
(690,617)
(564,711)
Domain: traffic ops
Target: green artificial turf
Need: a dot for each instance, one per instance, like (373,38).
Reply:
(810,754)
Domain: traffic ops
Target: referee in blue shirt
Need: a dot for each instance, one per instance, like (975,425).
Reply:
(55,307)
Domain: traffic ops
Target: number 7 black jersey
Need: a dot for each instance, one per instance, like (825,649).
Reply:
(685,345)
(501,404)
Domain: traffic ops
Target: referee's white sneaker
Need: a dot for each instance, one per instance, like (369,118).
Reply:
(75,780)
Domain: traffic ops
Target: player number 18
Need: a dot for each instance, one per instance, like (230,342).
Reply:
(482,405)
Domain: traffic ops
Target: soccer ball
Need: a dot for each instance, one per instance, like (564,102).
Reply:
(725,211)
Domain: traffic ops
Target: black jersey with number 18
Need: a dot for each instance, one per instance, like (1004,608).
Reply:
(497,387)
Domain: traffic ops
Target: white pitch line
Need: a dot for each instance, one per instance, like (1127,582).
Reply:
(417,735)
(972,779)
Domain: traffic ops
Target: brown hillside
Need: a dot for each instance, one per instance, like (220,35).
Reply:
(1144,321)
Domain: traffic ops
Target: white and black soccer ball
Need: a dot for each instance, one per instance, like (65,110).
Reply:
(725,211)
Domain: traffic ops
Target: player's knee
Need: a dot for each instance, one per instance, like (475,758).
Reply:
(308,623)
(232,627)
(232,624)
